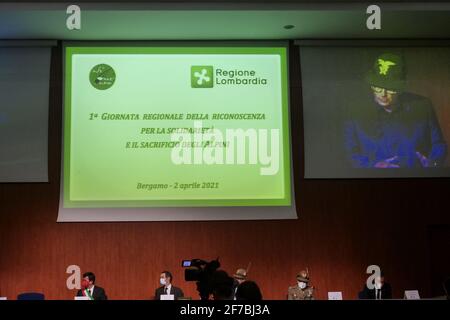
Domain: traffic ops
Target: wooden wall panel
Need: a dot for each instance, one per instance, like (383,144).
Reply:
(343,226)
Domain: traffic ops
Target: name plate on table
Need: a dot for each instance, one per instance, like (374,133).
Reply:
(335,295)
(82,298)
(3,298)
(412,295)
(167,297)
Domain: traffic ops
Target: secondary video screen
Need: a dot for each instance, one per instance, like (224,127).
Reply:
(376,111)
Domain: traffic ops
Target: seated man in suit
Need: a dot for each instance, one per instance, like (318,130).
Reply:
(165,279)
(446,286)
(89,289)
(381,290)
(239,277)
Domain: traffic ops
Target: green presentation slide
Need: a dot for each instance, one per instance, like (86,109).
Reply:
(176,126)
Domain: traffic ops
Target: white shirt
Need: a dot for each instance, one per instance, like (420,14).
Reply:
(91,290)
(377,294)
(167,289)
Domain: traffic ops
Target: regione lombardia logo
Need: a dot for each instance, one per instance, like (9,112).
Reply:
(202,76)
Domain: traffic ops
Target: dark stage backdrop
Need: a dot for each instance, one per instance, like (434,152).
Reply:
(343,226)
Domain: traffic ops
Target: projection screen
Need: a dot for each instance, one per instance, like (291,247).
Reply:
(376,110)
(24,90)
(176,132)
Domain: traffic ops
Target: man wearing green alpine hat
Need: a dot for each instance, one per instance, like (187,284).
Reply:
(393,128)
(301,291)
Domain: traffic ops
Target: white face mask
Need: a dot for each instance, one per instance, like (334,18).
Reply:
(162,281)
(302,285)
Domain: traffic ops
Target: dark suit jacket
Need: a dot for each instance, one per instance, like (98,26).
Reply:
(177,292)
(98,294)
(386,292)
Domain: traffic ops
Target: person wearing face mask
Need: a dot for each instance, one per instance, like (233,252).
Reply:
(238,278)
(301,291)
(382,290)
(165,280)
(89,289)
